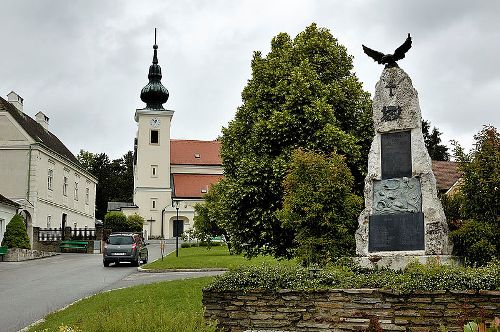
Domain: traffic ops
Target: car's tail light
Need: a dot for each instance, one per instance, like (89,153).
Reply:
(134,246)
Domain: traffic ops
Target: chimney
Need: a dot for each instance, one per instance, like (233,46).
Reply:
(15,100)
(42,119)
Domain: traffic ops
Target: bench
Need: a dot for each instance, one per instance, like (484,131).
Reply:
(73,245)
(3,252)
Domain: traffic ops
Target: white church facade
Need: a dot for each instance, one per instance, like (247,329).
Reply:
(170,176)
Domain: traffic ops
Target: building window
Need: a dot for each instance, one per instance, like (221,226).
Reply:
(50,178)
(87,195)
(49,219)
(155,137)
(154,171)
(65,186)
(153,204)
(77,181)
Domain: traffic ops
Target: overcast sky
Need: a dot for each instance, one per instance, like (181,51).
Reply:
(83,63)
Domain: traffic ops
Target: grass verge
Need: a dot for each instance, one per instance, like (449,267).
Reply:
(215,257)
(165,306)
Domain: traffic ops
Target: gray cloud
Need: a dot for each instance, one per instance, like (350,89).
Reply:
(84,62)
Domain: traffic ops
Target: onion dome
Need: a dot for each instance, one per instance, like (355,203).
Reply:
(154,94)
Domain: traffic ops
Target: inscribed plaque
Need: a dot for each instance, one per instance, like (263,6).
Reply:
(396,232)
(396,155)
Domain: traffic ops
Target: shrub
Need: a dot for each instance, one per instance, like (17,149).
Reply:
(319,207)
(475,241)
(116,221)
(135,223)
(16,235)
(416,277)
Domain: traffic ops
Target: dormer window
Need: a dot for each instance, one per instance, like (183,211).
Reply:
(197,155)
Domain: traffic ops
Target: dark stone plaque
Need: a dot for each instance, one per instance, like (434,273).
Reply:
(396,155)
(396,232)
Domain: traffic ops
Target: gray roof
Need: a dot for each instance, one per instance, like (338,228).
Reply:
(37,132)
(117,206)
(4,200)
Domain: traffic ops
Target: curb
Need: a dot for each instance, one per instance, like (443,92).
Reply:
(209,269)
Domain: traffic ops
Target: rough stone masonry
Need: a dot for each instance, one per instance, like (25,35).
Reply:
(403,218)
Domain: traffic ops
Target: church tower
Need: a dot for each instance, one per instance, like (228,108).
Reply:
(152,187)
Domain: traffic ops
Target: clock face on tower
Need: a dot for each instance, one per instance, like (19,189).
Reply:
(155,122)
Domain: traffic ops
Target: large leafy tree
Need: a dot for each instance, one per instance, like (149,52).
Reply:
(302,94)
(432,140)
(320,207)
(115,178)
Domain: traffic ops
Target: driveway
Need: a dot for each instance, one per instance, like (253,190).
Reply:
(32,289)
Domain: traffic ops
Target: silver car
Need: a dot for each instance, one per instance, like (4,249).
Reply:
(124,247)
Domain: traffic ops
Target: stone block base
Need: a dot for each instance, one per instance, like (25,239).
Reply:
(19,255)
(399,262)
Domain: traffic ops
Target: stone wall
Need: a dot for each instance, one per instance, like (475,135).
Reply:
(19,255)
(348,309)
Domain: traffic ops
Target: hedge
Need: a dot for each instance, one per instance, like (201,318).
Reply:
(416,277)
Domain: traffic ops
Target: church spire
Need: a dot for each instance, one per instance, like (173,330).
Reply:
(154,94)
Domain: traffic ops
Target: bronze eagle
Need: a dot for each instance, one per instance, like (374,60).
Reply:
(389,59)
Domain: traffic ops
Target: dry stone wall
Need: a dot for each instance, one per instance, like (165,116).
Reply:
(347,309)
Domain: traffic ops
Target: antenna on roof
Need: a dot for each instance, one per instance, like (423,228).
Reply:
(155,36)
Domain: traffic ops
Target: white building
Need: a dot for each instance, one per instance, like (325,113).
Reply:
(38,172)
(170,176)
(8,209)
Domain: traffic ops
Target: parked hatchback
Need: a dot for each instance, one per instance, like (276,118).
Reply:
(124,247)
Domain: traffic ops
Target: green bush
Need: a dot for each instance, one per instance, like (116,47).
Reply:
(416,277)
(135,223)
(16,235)
(116,221)
(476,241)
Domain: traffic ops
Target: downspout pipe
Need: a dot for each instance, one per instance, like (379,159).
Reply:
(29,173)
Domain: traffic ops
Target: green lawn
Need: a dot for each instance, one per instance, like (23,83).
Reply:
(215,257)
(166,306)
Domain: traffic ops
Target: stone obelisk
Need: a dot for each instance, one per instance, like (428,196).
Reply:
(403,219)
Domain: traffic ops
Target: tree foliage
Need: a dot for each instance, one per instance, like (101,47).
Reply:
(477,202)
(135,223)
(319,207)
(115,178)
(118,222)
(16,235)
(210,218)
(302,94)
(432,140)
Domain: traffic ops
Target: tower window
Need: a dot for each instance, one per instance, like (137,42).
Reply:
(155,137)
(153,204)
(154,171)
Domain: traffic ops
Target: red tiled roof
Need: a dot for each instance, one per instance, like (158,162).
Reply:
(193,185)
(446,173)
(190,152)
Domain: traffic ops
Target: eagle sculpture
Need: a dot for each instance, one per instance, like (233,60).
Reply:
(389,59)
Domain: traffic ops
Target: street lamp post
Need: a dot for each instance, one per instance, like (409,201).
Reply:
(176,228)
(177,232)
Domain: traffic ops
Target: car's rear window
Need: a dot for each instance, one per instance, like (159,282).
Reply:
(121,240)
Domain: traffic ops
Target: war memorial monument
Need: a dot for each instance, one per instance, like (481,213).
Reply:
(403,219)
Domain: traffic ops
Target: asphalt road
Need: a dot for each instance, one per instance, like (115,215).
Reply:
(32,289)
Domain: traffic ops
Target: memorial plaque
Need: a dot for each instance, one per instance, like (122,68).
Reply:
(396,155)
(397,196)
(396,232)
